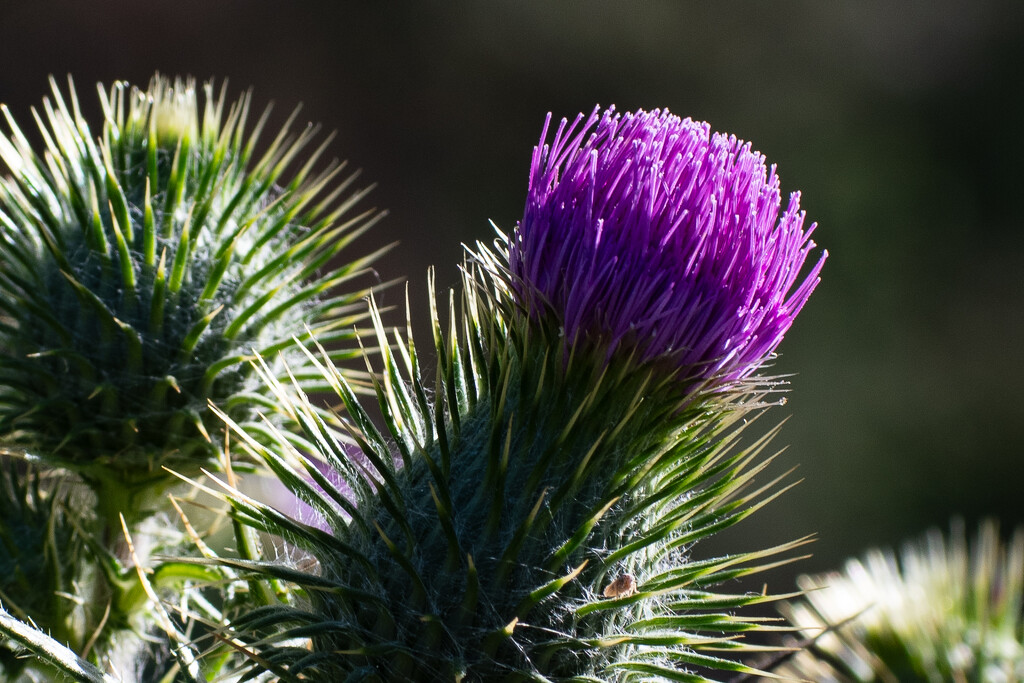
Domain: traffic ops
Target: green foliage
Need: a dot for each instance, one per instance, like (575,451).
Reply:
(41,555)
(64,662)
(72,601)
(141,270)
(529,514)
(944,611)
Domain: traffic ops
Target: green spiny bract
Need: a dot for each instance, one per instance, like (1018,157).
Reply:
(143,268)
(944,611)
(40,555)
(542,486)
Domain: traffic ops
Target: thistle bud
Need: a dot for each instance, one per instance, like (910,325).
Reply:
(144,268)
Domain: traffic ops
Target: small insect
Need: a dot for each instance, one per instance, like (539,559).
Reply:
(621,587)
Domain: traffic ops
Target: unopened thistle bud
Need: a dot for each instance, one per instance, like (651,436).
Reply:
(143,269)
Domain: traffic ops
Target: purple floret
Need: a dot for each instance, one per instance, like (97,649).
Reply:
(654,235)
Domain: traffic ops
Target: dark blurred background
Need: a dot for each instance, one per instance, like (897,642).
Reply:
(899,121)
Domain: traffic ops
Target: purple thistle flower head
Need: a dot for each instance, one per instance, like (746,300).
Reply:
(660,238)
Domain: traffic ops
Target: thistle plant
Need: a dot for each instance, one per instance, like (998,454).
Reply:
(945,610)
(142,269)
(141,272)
(530,511)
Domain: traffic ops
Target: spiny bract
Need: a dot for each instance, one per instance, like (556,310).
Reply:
(142,270)
(39,554)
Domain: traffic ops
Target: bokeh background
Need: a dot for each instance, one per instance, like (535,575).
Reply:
(901,123)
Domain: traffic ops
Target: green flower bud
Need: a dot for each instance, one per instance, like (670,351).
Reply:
(143,269)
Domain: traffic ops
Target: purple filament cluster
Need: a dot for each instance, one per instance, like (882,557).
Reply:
(660,238)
